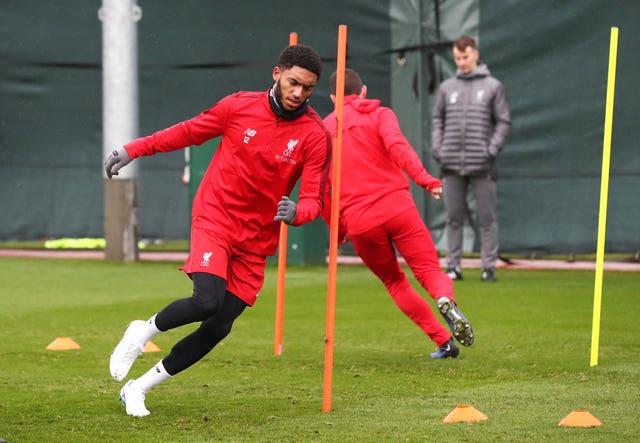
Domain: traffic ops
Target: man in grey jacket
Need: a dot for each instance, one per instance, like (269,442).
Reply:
(470,123)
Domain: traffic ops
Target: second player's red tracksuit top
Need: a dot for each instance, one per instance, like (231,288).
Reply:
(259,160)
(373,187)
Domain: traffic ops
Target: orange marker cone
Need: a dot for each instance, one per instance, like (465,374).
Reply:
(580,418)
(150,347)
(62,344)
(464,413)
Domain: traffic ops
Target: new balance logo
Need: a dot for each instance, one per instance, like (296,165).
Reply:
(205,259)
(248,133)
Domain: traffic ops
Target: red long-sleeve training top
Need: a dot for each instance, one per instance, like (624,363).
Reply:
(260,158)
(373,187)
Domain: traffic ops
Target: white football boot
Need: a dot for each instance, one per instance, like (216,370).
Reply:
(126,352)
(132,398)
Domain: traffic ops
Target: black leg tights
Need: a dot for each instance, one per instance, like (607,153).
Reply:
(211,304)
(208,295)
(199,343)
(216,326)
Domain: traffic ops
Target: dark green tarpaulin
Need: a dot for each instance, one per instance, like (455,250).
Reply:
(551,56)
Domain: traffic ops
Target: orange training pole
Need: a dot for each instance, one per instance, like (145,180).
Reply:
(282,264)
(335,212)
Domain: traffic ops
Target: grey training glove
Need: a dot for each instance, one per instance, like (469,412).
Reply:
(116,161)
(286,211)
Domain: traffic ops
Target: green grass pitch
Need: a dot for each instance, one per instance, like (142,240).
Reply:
(528,368)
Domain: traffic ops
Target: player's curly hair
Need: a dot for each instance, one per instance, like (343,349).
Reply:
(300,55)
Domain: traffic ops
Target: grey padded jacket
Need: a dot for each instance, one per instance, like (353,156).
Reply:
(470,123)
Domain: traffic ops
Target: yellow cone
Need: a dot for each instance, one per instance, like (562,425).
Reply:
(62,344)
(150,347)
(465,413)
(580,418)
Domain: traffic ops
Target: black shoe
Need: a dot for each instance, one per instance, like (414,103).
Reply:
(454,273)
(488,275)
(449,349)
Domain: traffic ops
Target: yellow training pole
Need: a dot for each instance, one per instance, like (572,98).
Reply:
(335,213)
(282,264)
(604,191)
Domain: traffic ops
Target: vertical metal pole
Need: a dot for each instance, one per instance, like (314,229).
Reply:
(120,124)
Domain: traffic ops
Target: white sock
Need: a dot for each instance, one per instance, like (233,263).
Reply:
(149,330)
(153,377)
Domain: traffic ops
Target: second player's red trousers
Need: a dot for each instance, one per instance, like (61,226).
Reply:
(408,233)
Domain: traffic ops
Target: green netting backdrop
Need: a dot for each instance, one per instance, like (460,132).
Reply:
(551,55)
